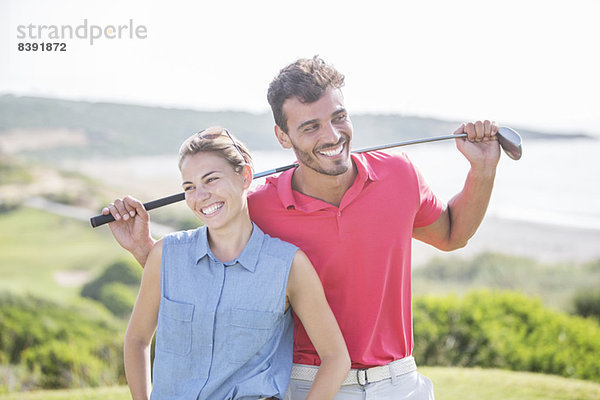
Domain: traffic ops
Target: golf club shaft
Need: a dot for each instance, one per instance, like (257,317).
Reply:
(367,149)
(103,219)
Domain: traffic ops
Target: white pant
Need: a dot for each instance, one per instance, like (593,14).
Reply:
(411,386)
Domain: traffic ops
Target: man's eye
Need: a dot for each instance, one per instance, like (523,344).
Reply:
(341,117)
(311,128)
(188,188)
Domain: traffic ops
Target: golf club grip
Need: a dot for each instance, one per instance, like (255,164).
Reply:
(101,219)
(151,205)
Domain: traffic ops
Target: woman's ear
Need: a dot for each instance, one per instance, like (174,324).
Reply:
(247,175)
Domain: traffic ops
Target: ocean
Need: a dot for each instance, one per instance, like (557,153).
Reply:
(555,182)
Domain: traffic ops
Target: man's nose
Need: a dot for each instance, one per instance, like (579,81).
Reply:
(331,133)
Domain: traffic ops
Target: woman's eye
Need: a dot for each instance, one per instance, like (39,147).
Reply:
(209,180)
(188,188)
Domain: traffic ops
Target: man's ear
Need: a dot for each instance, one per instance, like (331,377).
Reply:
(283,138)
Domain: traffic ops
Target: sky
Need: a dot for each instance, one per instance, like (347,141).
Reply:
(532,64)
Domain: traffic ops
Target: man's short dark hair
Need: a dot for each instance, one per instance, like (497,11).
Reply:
(306,79)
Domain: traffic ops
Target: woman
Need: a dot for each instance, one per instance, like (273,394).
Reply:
(220,296)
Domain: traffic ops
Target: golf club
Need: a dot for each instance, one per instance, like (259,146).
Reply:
(509,139)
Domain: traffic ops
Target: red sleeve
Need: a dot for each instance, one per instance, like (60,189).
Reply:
(430,206)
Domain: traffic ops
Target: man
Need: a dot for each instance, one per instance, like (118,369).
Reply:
(354,216)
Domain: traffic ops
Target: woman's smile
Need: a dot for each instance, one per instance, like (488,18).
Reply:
(212,208)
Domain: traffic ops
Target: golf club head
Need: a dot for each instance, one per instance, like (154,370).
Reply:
(510,141)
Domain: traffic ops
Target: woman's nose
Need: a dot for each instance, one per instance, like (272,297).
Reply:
(201,194)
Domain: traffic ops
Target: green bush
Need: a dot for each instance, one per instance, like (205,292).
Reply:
(64,365)
(118,298)
(587,303)
(60,346)
(116,287)
(505,330)
(8,206)
(126,272)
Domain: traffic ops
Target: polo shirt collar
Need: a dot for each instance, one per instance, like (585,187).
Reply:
(247,259)
(365,170)
(287,195)
(201,244)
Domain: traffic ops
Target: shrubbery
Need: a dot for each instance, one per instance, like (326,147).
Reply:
(8,206)
(118,298)
(505,330)
(116,287)
(47,345)
(587,304)
(586,301)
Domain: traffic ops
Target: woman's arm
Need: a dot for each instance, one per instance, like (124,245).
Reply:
(306,295)
(142,325)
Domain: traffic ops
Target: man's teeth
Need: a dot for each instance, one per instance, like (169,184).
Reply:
(212,208)
(332,152)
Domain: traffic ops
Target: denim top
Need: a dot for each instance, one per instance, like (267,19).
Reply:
(223,332)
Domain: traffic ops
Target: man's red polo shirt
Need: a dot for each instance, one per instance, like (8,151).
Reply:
(361,251)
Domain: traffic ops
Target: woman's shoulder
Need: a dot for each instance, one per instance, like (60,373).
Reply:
(276,247)
(182,237)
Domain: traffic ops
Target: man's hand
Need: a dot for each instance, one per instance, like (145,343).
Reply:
(481,147)
(131,227)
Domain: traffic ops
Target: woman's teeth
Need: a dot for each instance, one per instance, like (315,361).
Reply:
(212,208)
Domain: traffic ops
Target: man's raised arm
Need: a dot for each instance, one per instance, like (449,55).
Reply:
(465,211)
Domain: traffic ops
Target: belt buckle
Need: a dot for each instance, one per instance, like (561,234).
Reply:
(362,373)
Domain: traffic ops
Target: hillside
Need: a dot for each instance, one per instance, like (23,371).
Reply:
(49,129)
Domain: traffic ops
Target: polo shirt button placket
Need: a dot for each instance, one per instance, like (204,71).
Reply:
(339,221)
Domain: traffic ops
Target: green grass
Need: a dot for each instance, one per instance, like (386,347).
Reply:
(449,384)
(491,384)
(35,244)
(105,393)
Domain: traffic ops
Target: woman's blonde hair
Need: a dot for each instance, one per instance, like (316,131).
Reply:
(216,139)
